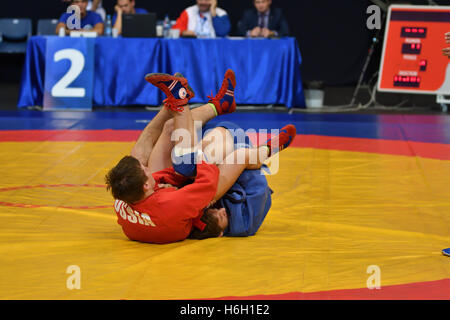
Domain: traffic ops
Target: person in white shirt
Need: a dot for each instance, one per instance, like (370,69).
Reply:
(204,20)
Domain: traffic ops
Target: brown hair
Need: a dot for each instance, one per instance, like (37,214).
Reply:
(212,229)
(126,180)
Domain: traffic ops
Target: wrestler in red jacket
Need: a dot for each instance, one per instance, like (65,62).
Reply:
(168,214)
(148,204)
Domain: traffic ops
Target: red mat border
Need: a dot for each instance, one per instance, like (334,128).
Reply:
(430,290)
(394,147)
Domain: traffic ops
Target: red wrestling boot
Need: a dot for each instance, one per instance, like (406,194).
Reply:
(282,140)
(224,100)
(175,87)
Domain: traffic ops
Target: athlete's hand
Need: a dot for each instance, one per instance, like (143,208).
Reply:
(166,185)
(447,37)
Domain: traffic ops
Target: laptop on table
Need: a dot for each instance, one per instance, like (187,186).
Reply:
(140,25)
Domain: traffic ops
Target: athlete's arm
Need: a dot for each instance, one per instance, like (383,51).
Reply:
(234,164)
(144,145)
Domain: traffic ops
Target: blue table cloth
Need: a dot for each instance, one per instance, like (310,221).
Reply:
(267,71)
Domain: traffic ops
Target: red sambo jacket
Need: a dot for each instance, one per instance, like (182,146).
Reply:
(168,214)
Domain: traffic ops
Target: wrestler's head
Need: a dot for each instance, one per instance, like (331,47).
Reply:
(216,220)
(129,180)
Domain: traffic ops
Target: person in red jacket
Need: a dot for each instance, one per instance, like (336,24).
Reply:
(204,20)
(164,206)
(227,145)
(160,205)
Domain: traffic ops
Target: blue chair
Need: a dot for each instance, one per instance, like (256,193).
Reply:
(46,27)
(14,34)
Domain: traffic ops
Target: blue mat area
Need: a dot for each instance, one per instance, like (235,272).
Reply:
(420,128)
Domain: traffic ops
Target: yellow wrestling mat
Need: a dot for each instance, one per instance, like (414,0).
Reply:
(334,214)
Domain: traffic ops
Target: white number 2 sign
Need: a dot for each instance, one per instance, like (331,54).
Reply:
(77,61)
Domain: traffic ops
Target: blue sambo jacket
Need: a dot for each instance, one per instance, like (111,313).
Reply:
(247,204)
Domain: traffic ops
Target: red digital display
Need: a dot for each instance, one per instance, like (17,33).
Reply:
(411,48)
(413,32)
(406,81)
(412,59)
(423,65)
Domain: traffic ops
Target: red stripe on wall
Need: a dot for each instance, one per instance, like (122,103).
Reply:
(431,290)
(395,147)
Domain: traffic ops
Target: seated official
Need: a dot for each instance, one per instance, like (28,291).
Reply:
(263,21)
(124,7)
(203,20)
(90,21)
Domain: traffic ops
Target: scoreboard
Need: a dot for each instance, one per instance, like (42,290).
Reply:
(412,59)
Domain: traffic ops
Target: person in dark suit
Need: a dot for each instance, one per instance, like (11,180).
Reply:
(263,21)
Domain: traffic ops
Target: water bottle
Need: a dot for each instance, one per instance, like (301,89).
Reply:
(166,27)
(62,32)
(108,26)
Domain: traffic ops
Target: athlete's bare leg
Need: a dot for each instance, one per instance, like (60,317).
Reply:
(218,146)
(160,157)
(149,136)
(235,163)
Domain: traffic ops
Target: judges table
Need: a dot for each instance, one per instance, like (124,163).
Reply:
(267,71)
